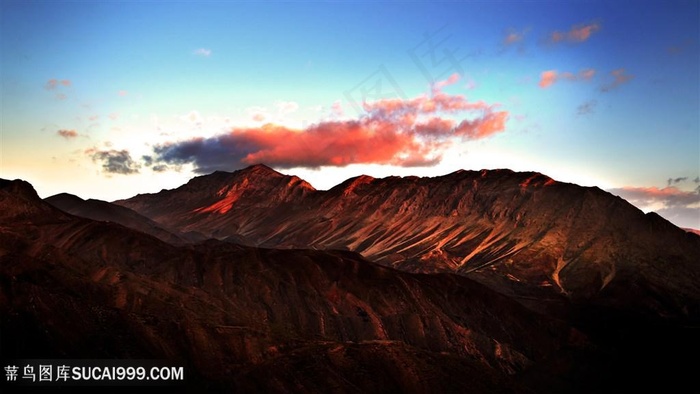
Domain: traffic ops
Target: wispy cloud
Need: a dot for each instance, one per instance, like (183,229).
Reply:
(114,161)
(672,181)
(67,134)
(286,107)
(337,109)
(514,38)
(680,47)
(204,52)
(619,76)
(404,132)
(587,107)
(55,85)
(575,34)
(52,84)
(122,93)
(451,80)
(549,77)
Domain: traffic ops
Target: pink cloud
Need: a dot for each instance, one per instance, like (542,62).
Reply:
(411,132)
(549,77)
(578,33)
(52,84)
(337,109)
(122,93)
(583,33)
(512,38)
(453,79)
(67,134)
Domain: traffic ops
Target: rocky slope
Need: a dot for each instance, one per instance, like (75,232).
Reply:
(250,319)
(546,243)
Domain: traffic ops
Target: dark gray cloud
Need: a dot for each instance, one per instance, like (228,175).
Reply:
(115,161)
(673,181)
(225,151)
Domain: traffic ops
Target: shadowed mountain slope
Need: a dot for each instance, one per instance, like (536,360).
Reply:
(108,212)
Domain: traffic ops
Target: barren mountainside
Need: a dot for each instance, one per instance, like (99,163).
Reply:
(243,318)
(106,212)
(522,234)
(482,282)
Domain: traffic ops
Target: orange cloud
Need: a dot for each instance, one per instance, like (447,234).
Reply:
(412,132)
(67,134)
(549,77)
(578,33)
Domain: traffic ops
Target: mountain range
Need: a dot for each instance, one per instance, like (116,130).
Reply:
(476,281)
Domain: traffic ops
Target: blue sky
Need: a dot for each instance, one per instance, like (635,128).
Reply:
(108,99)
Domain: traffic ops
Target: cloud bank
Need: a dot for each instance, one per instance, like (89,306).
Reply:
(402,132)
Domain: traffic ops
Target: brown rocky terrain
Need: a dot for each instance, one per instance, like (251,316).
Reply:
(525,235)
(252,319)
(519,284)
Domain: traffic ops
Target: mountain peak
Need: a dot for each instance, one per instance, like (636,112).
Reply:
(259,169)
(18,187)
(20,202)
(353,185)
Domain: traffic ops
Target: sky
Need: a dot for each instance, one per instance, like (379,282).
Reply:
(108,99)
